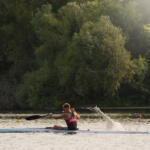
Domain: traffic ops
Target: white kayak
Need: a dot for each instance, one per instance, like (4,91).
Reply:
(34,130)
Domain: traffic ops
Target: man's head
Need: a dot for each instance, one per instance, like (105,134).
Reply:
(66,107)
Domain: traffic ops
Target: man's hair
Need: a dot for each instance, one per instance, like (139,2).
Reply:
(66,105)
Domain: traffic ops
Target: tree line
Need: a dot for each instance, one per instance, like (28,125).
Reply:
(76,51)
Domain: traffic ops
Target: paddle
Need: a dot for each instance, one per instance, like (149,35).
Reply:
(33,117)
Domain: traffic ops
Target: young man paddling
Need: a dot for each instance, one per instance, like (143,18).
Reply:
(69,115)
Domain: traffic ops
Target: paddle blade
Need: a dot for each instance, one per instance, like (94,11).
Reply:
(33,117)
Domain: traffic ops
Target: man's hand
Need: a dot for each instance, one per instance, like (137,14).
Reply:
(72,109)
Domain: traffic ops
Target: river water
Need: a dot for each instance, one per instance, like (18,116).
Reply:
(60,141)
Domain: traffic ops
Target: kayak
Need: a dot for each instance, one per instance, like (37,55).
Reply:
(40,130)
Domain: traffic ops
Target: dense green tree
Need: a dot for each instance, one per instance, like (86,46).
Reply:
(82,51)
(17,44)
(96,61)
(85,55)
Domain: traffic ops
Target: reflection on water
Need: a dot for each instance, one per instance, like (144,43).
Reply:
(51,141)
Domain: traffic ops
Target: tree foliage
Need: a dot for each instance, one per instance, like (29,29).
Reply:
(80,51)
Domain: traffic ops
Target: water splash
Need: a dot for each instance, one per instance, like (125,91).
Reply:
(110,124)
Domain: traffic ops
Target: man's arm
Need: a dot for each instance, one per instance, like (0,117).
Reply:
(59,116)
(75,113)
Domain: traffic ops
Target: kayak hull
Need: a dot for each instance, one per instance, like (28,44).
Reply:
(44,130)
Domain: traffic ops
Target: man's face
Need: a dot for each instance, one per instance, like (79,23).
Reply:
(65,109)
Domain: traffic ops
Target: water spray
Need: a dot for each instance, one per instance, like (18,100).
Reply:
(110,123)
